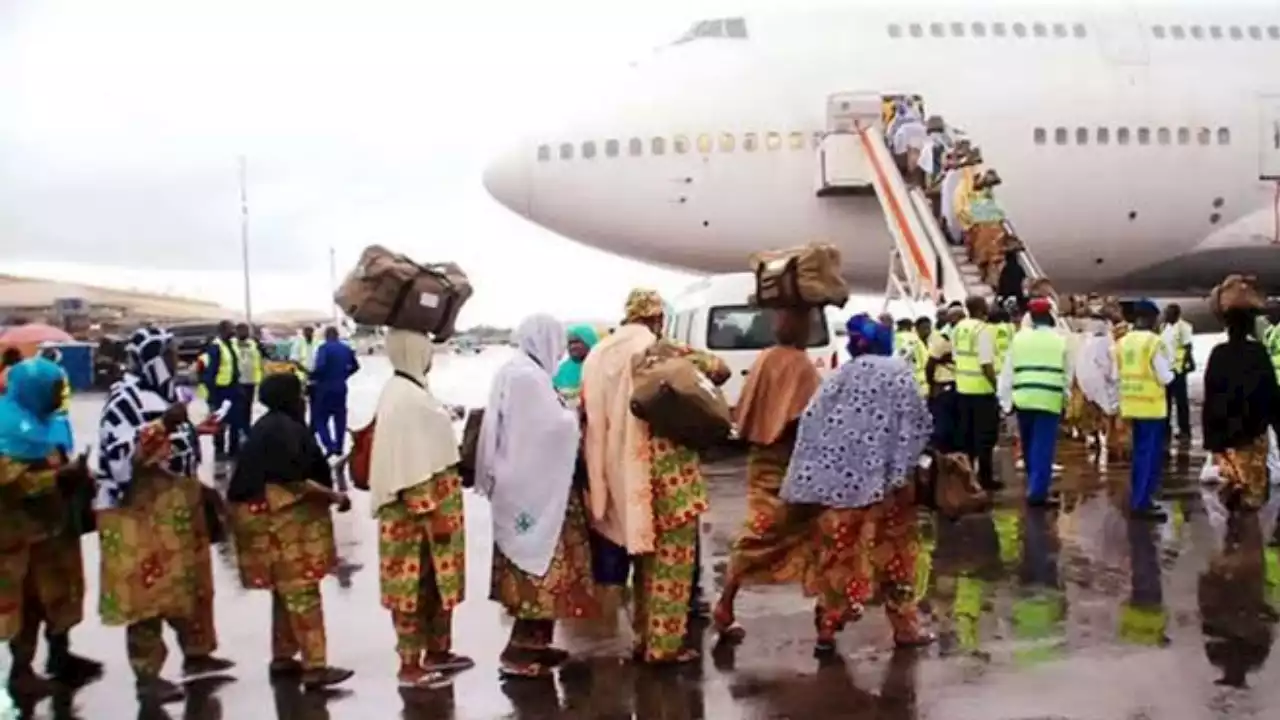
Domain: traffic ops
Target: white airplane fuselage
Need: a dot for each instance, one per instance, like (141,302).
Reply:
(1138,147)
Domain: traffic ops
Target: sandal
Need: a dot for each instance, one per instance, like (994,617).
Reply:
(923,639)
(447,662)
(824,649)
(425,681)
(509,670)
(726,626)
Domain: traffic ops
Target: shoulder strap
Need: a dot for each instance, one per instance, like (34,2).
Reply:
(410,378)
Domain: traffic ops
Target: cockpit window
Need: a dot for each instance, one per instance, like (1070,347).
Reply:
(722,28)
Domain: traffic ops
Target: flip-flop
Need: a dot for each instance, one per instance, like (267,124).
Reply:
(529,671)
(727,628)
(428,681)
(450,663)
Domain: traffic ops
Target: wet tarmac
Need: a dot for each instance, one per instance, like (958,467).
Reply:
(1074,614)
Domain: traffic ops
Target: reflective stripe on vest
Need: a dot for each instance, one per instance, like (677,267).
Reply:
(1004,333)
(970,379)
(911,348)
(1141,394)
(1273,347)
(250,363)
(226,364)
(1039,359)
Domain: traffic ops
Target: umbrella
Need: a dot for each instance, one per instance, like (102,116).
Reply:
(28,338)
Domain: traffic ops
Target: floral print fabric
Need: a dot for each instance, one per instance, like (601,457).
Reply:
(567,591)
(774,545)
(426,522)
(283,541)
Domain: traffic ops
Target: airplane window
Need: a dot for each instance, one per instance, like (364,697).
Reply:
(1197,32)
(773,141)
(1184,136)
(1039,30)
(1255,32)
(588,150)
(635,147)
(1163,136)
(566,151)
(658,146)
(1079,30)
(1203,136)
(1215,32)
(750,142)
(726,142)
(1059,30)
(797,141)
(1178,32)
(704,143)
(1273,32)
(1158,31)
(1040,136)
(1104,136)
(1060,136)
(544,153)
(1144,136)
(735,27)
(1224,136)
(895,31)
(1122,136)
(1236,33)
(957,29)
(998,29)
(1082,136)
(936,29)
(916,30)
(611,148)
(1019,30)
(978,30)
(680,144)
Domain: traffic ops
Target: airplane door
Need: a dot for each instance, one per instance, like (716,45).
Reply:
(1269,138)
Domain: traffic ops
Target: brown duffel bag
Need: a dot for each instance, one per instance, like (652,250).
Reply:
(1236,292)
(807,276)
(677,401)
(956,490)
(386,288)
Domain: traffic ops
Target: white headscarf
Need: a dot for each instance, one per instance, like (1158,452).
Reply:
(414,438)
(528,446)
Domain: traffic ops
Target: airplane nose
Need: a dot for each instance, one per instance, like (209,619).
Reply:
(507,180)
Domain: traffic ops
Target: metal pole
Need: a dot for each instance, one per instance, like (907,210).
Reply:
(244,238)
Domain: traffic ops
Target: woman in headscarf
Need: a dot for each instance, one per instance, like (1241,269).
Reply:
(280,495)
(857,450)
(773,545)
(1241,401)
(41,571)
(416,495)
(1097,391)
(152,529)
(528,448)
(568,377)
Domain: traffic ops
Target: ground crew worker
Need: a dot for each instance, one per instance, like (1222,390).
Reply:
(940,372)
(1177,334)
(221,382)
(1145,368)
(1271,337)
(335,363)
(303,357)
(979,410)
(1004,329)
(249,355)
(911,348)
(1034,382)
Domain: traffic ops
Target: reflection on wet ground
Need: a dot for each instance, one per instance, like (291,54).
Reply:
(1076,613)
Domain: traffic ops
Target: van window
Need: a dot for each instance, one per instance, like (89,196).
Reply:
(743,327)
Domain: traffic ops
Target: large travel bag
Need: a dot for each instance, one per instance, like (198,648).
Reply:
(1236,292)
(807,276)
(387,288)
(678,401)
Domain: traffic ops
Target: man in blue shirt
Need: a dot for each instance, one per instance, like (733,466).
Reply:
(335,364)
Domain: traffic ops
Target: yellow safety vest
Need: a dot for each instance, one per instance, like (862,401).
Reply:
(970,380)
(911,348)
(1141,393)
(1039,370)
(1273,347)
(1004,339)
(939,345)
(250,371)
(226,364)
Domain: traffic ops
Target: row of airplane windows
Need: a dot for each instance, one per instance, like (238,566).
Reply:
(1126,136)
(682,144)
(1077,30)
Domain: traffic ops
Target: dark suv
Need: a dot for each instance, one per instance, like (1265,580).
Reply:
(191,339)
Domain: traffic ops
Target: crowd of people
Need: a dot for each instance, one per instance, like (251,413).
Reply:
(584,496)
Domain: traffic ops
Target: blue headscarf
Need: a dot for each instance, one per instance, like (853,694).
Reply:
(868,337)
(568,378)
(27,409)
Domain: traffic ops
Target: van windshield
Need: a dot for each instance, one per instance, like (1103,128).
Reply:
(743,327)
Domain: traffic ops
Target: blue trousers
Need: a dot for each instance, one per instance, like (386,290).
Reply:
(1148,462)
(225,441)
(1039,432)
(329,419)
(241,418)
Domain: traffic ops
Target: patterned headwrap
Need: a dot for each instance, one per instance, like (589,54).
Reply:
(868,337)
(141,397)
(643,304)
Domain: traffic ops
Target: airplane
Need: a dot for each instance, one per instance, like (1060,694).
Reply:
(1139,146)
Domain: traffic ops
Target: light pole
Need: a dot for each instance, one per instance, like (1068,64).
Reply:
(244,238)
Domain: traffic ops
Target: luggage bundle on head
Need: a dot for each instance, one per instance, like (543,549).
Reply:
(1236,292)
(678,402)
(807,276)
(387,288)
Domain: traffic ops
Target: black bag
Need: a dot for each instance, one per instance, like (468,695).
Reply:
(470,447)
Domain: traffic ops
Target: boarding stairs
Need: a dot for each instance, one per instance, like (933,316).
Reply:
(854,160)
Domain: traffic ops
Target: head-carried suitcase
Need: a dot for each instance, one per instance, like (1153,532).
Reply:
(678,401)
(807,276)
(387,288)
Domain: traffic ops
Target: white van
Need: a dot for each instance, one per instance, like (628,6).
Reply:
(715,314)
